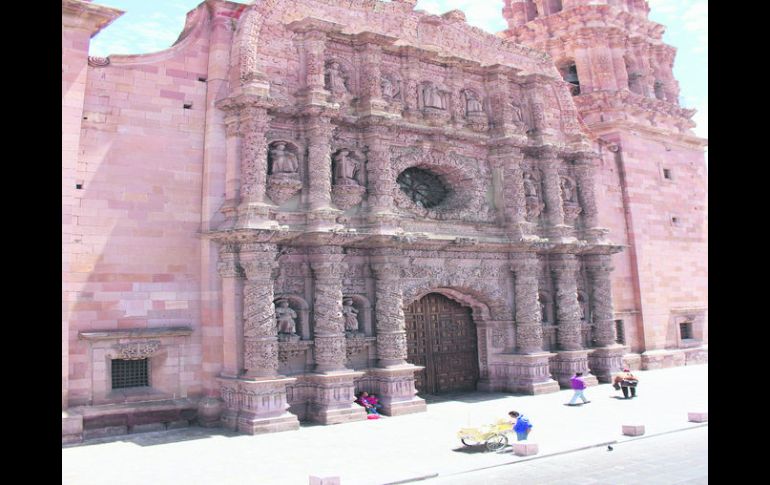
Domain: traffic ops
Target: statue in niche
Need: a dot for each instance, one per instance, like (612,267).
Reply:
(582,305)
(530,189)
(431,97)
(283,161)
(543,310)
(350,315)
(335,79)
(472,103)
(285,317)
(346,168)
(390,89)
(518,118)
(567,190)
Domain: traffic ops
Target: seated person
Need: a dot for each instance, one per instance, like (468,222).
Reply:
(374,402)
(363,400)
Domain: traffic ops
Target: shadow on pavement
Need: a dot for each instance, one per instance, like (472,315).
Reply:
(160,437)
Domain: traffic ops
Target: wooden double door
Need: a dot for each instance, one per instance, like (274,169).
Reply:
(441,336)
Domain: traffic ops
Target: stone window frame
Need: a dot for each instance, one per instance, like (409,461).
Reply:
(162,347)
(696,317)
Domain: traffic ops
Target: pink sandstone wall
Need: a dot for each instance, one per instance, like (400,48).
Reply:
(136,260)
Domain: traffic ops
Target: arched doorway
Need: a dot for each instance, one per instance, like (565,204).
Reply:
(441,336)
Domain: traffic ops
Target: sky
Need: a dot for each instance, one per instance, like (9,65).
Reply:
(153,25)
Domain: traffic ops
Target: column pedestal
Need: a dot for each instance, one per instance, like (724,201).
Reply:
(395,389)
(331,397)
(529,373)
(606,361)
(254,215)
(71,427)
(255,406)
(567,362)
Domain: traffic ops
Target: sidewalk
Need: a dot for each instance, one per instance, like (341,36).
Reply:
(389,449)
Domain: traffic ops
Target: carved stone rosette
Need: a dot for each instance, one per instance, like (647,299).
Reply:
(282,187)
(347,196)
(564,267)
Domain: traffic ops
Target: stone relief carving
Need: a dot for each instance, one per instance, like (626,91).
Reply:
(472,103)
(285,318)
(348,172)
(433,97)
(535,204)
(138,350)
(569,197)
(390,87)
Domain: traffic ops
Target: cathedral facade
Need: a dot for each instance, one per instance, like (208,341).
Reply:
(301,200)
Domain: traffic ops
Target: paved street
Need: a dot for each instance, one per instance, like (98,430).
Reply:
(395,449)
(679,457)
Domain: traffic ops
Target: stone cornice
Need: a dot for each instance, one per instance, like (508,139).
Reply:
(136,333)
(77,14)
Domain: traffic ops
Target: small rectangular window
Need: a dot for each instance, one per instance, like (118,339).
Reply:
(667,173)
(621,335)
(685,330)
(129,373)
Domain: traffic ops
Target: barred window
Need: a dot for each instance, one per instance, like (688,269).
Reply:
(129,373)
(685,330)
(423,187)
(621,337)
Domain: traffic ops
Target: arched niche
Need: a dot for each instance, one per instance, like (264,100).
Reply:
(361,303)
(300,306)
(546,308)
(289,147)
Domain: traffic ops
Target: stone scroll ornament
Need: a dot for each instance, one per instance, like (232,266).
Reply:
(284,180)
(138,350)
(347,169)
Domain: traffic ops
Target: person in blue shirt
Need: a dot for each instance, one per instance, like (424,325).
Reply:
(522,427)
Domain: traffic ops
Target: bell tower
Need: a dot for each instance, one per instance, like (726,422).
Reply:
(652,170)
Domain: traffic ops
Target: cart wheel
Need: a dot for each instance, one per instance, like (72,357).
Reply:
(468,443)
(497,442)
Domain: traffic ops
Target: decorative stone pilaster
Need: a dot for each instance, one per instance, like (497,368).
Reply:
(586,185)
(260,342)
(571,357)
(371,101)
(380,178)
(232,273)
(312,46)
(514,205)
(329,325)
(549,165)
(607,358)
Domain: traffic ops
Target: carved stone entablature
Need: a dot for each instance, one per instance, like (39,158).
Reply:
(137,350)
(290,349)
(465,178)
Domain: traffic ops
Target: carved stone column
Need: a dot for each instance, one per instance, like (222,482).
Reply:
(329,326)
(252,211)
(371,101)
(608,357)
(572,357)
(233,142)
(331,389)
(319,132)
(260,341)
(394,375)
(528,369)
(506,161)
(256,401)
(549,165)
(381,181)
(586,185)
(312,46)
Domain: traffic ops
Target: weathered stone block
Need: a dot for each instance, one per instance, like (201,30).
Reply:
(633,429)
(698,417)
(525,448)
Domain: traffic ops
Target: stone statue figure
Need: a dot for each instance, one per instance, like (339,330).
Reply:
(389,88)
(582,305)
(335,79)
(350,314)
(543,311)
(567,190)
(285,317)
(517,117)
(346,168)
(431,97)
(283,161)
(529,185)
(472,104)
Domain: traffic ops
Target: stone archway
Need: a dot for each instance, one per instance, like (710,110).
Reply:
(441,337)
